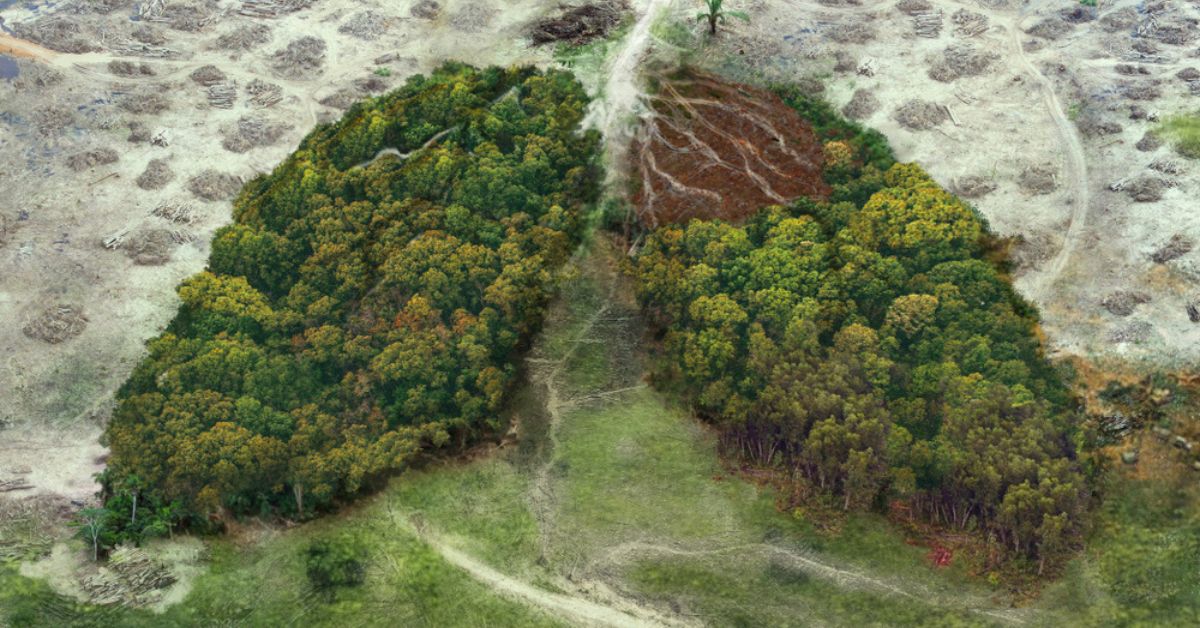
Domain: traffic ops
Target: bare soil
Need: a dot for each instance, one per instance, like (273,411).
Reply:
(712,149)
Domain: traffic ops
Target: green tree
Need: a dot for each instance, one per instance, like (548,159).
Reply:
(715,13)
(92,524)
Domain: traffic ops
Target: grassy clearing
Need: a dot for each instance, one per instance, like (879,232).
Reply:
(1183,131)
(1142,564)
(261,581)
(479,507)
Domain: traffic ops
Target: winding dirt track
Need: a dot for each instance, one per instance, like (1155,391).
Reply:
(576,609)
(1077,176)
(10,45)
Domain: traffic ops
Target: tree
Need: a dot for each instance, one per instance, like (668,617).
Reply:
(352,317)
(716,13)
(337,562)
(92,524)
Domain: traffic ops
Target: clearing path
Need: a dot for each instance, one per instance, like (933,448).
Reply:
(1077,177)
(574,608)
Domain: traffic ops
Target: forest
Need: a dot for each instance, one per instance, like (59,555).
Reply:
(872,346)
(368,305)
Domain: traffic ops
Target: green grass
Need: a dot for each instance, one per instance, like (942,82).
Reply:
(1142,563)
(479,507)
(263,583)
(766,593)
(1183,131)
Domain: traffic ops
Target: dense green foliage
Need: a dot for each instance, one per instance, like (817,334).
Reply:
(867,345)
(363,306)
(335,562)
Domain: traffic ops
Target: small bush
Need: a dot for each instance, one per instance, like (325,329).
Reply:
(339,562)
(1184,132)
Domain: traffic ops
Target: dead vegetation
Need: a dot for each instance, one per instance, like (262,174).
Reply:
(63,34)
(130,69)
(1131,333)
(341,99)
(1050,28)
(301,59)
(1144,90)
(176,212)
(29,526)
(149,35)
(1039,179)
(858,32)
(92,158)
(426,10)
(1124,302)
(152,247)
(720,150)
(35,75)
(53,119)
(1175,248)
(371,84)
(207,75)
(921,115)
(365,25)
(138,132)
(1119,20)
(131,577)
(156,176)
(863,104)
(211,185)
(913,7)
(244,38)
(973,186)
(1091,126)
(1145,189)
(263,94)
(145,102)
(272,8)
(969,23)
(962,60)
(581,24)
(1150,142)
(56,324)
(252,132)
(222,95)
(190,17)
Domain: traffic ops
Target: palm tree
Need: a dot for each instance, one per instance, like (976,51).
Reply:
(716,14)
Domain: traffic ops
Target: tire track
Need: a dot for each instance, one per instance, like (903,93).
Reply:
(1077,176)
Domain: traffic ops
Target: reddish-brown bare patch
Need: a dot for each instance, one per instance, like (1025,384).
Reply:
(722,150)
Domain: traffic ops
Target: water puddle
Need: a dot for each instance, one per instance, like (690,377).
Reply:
(9,69)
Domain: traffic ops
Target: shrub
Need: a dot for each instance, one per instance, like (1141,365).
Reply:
(337,562)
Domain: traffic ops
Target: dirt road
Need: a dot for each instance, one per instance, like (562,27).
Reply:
(1076,172)
(575,609)
(12,46)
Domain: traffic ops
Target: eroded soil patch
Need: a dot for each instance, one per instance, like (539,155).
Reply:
(721,150)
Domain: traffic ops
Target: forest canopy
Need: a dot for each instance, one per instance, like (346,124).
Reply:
(868,345)
(369,302)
